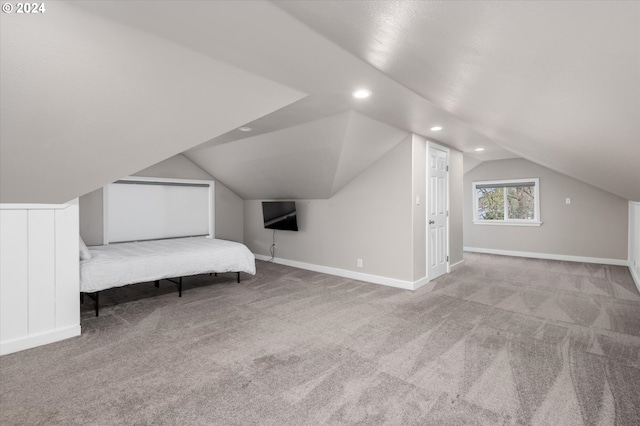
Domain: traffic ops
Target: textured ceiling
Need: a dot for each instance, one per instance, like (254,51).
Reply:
(555,82)
(266,41)
(115,87)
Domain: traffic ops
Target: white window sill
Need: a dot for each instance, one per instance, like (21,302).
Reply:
(506,223)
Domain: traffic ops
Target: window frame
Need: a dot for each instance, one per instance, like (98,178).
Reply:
(536,221)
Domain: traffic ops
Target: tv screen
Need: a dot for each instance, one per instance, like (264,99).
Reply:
(280,215)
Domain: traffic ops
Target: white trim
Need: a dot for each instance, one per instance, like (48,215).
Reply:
(374,279)
(448,223)
(536,221)
(457,265)
(17,206)
(212,197)
(506,223)
(105,209)
(635,277)
(167,180)
(584,259)
(632,229)
(39,339)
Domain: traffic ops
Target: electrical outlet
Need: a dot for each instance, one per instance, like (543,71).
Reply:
(359,263)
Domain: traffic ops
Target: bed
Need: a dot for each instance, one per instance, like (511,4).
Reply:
(117,265)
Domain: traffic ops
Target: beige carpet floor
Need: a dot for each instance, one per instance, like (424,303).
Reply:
(501,341)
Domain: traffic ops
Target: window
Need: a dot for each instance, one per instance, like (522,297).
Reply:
(507,202)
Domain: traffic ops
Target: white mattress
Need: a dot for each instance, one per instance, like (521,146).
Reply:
(116,265)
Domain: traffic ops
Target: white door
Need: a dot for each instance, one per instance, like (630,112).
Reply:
(437,226)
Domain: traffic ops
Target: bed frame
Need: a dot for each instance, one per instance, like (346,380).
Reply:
(95,296)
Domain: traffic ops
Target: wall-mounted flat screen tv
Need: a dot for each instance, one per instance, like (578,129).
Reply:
(280,215)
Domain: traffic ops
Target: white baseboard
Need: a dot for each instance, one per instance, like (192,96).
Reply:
(375,279)
(39,339)
(635,277)
(600,260)
(456,265)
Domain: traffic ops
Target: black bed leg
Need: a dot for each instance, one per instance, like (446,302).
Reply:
(180,288)
(157,283)
(238,273)
(81,297)
(97,302)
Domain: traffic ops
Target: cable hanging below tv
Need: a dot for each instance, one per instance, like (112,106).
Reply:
(280,215)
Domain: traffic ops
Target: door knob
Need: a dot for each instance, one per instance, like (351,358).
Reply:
(431,222)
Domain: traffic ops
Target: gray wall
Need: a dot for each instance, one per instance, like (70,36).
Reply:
(228,206)
(593,225)
(374,218)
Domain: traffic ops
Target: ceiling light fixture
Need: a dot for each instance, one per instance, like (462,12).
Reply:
(479,149)
(436,128)
(245,129)
(361,94)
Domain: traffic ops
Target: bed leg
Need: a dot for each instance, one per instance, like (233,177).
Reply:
(81,297)
(157,283)
(215,274)
(238,273)
(180,288)
(97,302)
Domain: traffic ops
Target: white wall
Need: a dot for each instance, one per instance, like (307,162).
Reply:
(634,241)
(39,278)
(368,219)
(456,208)
(373,218)
(229,208)
(594,227)
(419,211)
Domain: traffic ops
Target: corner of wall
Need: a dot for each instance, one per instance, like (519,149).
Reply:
(634,241)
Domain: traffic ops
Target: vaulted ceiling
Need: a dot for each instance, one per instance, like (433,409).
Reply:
(311,160)
(557,82)
(93,91)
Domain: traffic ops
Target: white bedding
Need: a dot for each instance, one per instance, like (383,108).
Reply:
(116,265)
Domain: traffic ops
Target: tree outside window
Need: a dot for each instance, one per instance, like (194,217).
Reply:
(507,202)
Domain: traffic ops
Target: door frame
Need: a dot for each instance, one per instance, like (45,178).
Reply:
(446,149)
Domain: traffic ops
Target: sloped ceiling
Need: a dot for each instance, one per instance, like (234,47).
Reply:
(264,40)
(313,160)
(86,101)
(101,89)
(557,83)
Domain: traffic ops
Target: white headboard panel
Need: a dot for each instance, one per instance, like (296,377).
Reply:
(138,208)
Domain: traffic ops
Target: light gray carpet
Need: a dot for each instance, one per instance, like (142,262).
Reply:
(501,341)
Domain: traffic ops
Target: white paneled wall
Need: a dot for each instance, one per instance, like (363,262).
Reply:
(39,274)
(634,241)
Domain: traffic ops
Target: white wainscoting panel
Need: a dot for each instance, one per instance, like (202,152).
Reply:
(634,241)
(42,270)
(14,273)
(39,275)
(67,268)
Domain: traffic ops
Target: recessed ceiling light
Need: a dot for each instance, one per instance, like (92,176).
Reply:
(245,129)
(479,149)
(362,94)
(436,128)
